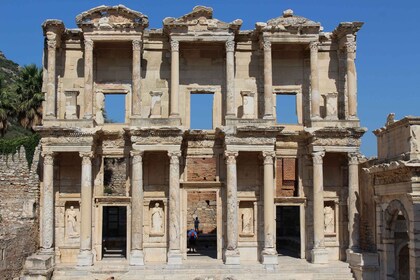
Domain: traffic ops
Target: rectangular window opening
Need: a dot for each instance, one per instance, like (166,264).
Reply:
(286,109)
(201,111)
(114,108)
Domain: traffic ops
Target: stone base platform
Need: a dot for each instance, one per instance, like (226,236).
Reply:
(197,268)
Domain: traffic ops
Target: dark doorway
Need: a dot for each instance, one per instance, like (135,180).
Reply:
(202,207)
(114,232)
(288,230)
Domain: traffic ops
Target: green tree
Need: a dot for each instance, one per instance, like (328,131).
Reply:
(7,101)
(29,96)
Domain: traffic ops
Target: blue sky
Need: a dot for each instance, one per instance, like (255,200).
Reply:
(388,59)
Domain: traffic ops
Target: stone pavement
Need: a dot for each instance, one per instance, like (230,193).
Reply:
(204,268)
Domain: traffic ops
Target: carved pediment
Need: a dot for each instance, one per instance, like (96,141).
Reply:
(290,22)
(200,19)
(111,17)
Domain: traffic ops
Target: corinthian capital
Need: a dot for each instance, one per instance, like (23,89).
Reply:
(269,157)
(174,156)
(86,157)
(52,44)
(350,46)
(266,45)
(88,44)
(230,45)
(48,157)
(230,157)
(313,46)
(174,45)
(317,157)
(137,156)
(136,45)
(353,158)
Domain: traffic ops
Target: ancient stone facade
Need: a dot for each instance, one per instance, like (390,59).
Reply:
(250,163)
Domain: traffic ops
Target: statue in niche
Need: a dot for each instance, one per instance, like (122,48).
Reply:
(157,219)
(71,216)
(247,221)
(329,224)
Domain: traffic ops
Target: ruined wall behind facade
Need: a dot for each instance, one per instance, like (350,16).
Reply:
(19,205)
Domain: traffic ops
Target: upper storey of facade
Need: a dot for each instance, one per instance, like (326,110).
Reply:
(157,71)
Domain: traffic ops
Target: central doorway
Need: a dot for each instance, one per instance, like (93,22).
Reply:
(288,231)
(114,232)
(202,205)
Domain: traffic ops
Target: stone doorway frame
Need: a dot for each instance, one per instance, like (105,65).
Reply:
(301,206)
(205,187)
(97,231)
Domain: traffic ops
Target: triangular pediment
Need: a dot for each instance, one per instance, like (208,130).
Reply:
(111,17)
(200,20)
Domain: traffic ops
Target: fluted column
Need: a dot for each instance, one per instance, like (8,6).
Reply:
(230,78)
(352,202)
(268,81)
(319,253)
(136,92)
(315,95)
(269,254)
(174,254)
(231,251)
(88,97)
(85,257)
(51,80)
(174,79)
(351,79)
(47,233)
(137,197)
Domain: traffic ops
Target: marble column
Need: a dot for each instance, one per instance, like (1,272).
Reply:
(319,253)
(136,92)
(353,212)
(88,94)
(268,81)
(351,79)
(315,95)
(47,233)
(51,80)
(174,79)
(230,78)
(174,254)
(269,254)
(231,252)
(85,257)
(137,199)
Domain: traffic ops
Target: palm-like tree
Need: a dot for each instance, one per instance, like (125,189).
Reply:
(6,108)
(29,96)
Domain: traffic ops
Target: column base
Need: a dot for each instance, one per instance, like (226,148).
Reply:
(38,266)
(85,258)
(137,257)
(232,257)
(269,256)
(268,117)
(319,255)
(174,257)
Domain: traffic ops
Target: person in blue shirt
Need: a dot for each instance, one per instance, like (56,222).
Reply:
(192,240)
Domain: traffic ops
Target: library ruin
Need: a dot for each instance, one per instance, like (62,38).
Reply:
(258,184)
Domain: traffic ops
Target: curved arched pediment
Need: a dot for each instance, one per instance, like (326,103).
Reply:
(289,22)
(111,17)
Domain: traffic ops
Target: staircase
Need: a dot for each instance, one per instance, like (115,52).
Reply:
(197,268)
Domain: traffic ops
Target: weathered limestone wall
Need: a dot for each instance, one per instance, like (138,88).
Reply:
(113,62)
(69,170)
(115,176)
(201,169)
(19,204)
(203,205)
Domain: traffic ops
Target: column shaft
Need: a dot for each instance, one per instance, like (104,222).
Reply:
(51,81)
(47,234)
(318,200)
(269,244)
(174,79)
(136,91)
(268,81)
(137,197)
(351,79)
(174,254)
(351,204)
(231,252)
(88,97)
(315,95)
(85,257)
(230,78)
